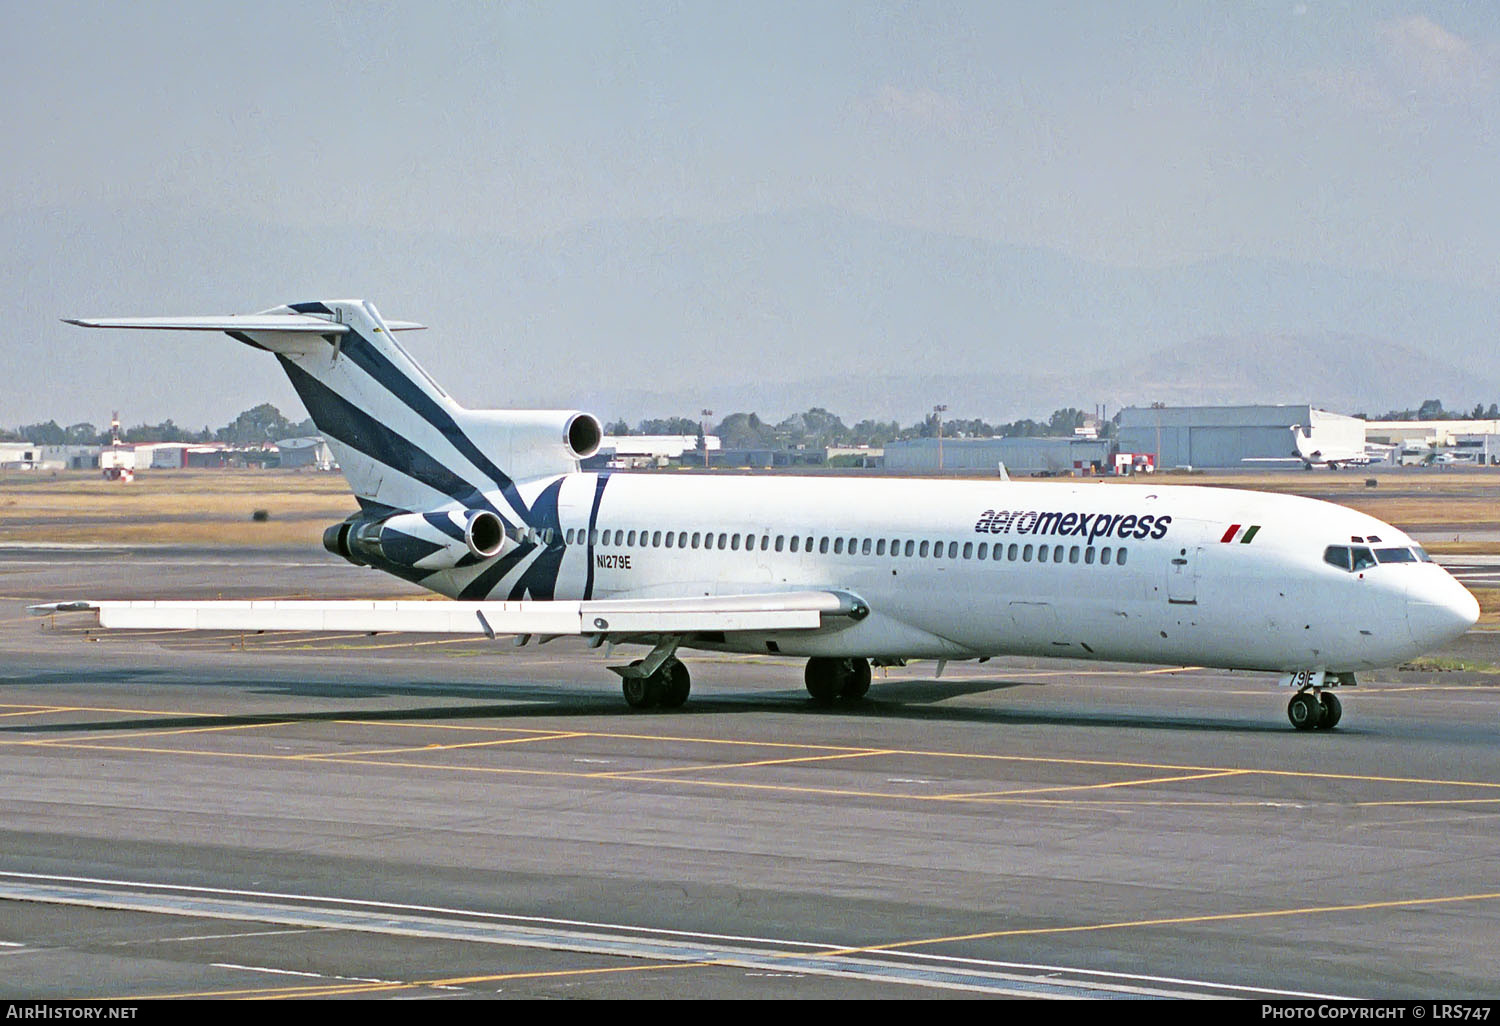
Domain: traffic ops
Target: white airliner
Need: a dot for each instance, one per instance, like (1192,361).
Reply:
(1332,458)
(489,508)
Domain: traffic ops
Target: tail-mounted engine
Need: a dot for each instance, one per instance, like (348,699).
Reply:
(419,541)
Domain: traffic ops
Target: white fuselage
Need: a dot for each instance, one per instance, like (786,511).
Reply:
(954,569)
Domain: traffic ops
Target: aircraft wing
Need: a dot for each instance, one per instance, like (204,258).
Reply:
(798,610)
(233,322)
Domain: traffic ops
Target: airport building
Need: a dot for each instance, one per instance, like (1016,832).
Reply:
(1228,436)
(1064,455)
(306,452)
(1437,434)
(626,452)
(30,456)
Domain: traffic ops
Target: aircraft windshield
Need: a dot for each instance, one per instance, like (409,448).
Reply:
(1357,557)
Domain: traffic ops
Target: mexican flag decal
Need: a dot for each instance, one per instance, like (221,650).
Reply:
(1240,533)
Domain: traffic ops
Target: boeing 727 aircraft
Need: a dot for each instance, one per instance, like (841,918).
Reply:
(489,508)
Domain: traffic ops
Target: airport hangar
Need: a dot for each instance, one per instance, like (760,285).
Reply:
(1193,436)
(1227,436)
(1021,455)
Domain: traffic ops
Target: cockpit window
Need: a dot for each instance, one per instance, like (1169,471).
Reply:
(1422,556)
(1394,555)
(1337,555)
(1363,558)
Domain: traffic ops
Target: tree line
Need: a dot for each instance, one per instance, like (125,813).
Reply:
(1432,409)
(818,428)
(263,423)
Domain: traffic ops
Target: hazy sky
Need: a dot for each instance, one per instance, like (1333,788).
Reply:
(1351,135)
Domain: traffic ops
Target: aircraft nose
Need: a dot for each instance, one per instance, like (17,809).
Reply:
(1439,609)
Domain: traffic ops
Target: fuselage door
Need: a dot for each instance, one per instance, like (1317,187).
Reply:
(1182,577)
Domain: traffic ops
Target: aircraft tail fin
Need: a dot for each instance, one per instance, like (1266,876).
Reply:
(402,442)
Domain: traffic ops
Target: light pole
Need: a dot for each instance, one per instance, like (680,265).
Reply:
(703,427)
(939,410)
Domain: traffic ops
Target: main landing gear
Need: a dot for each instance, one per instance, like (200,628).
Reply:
(1314,710)
(668,687)
(831,679)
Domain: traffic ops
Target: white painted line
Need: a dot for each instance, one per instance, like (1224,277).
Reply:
(264,969)
(620,941)
(223,936)
(296,972)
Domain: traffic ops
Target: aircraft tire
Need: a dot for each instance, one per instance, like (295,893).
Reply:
(640,692)
(1331,710)
(857,684)
(675,683)
(1304,712)
(824,678)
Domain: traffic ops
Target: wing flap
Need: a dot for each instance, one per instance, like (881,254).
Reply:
(777,611)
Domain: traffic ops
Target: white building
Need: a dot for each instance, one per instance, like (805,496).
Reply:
(306,452)
(29,456)
(1430,434)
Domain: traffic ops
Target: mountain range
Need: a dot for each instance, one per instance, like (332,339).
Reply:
(771,312)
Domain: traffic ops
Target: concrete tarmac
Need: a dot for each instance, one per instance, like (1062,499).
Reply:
(294,815)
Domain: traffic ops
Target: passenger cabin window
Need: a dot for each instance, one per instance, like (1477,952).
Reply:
(1120,557)
(911,544)
(823,546)
(1026,554)
(1104,554)
(864,547)
(838,546)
